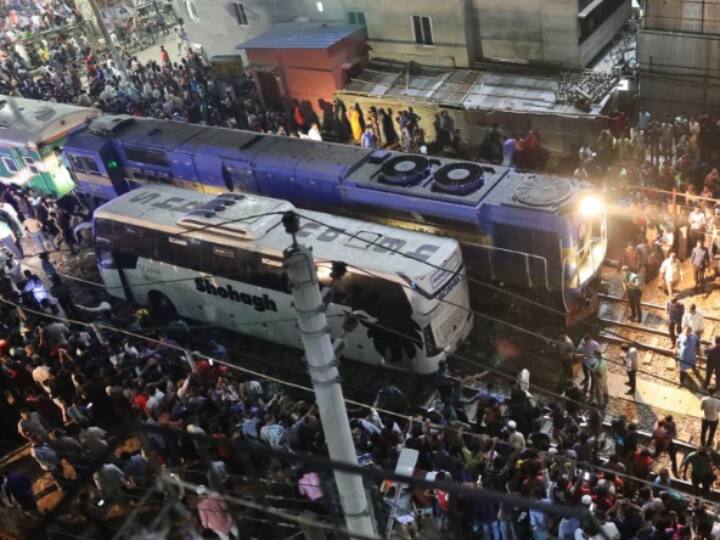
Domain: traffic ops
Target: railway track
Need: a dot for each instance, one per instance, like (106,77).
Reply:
(613,312)
(658,359)
(606,445)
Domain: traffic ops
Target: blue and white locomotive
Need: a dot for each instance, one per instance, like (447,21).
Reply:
(545,234)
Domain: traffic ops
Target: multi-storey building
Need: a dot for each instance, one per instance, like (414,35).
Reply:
(450,33)
(679,55)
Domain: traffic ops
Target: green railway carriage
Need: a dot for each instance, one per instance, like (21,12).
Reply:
(30,131)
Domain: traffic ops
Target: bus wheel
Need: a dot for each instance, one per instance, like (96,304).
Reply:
(161,306)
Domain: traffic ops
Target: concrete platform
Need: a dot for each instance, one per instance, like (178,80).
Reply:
(657,395)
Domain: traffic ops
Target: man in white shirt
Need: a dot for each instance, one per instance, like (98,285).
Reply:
(698,223)
(587,348)
(42,376)
(710,407)
(155,400)
(671,273)
(515,438)
(694,319)
(630,359)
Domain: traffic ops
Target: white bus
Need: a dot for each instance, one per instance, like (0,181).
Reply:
(180,249)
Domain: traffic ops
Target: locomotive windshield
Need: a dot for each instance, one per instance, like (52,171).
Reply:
(586,243)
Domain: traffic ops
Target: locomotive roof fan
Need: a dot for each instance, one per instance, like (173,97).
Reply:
(459,178)
(405,170)
(543,191)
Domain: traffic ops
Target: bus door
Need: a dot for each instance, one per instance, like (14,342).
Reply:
(111,269)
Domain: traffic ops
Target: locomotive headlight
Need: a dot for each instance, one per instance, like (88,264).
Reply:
(590,206)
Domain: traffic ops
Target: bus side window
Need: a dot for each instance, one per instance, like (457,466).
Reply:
(222,261)
(132,242)
(182,251)
(247,267)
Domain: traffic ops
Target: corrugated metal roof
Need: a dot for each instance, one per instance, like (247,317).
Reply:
(465,88)
(509,92)
(297,35)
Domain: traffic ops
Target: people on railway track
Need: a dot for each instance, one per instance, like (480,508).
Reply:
(587,349)
(686,350)
(664,433)
(599,394)
(710,407)
(712,364)
(693,318)
(700,259)
(671,273)
(633,286)
(630,360)
(702,474)
(698,225)
(675,310)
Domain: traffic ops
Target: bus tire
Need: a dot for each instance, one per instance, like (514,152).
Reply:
(161,305)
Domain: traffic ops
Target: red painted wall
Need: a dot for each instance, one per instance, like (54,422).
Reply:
(313,74)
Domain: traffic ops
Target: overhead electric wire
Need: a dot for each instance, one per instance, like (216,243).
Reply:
(450,487)
(325,463)
(295,385)
(300,520)
(475,362)
(475,312)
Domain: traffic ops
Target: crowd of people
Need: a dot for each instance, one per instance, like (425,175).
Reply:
(73,387)
(34,16)
(189,90)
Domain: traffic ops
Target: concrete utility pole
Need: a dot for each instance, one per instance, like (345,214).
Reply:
(108,42)
(325,378)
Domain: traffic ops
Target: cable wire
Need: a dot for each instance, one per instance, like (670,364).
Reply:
(300,387)
(305,388)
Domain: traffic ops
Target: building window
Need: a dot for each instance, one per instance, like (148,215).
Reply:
(356,17)
(192,10)
(422,26)
(240,14)
(590,22)
(320,7)
(145,156)
(10,165)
